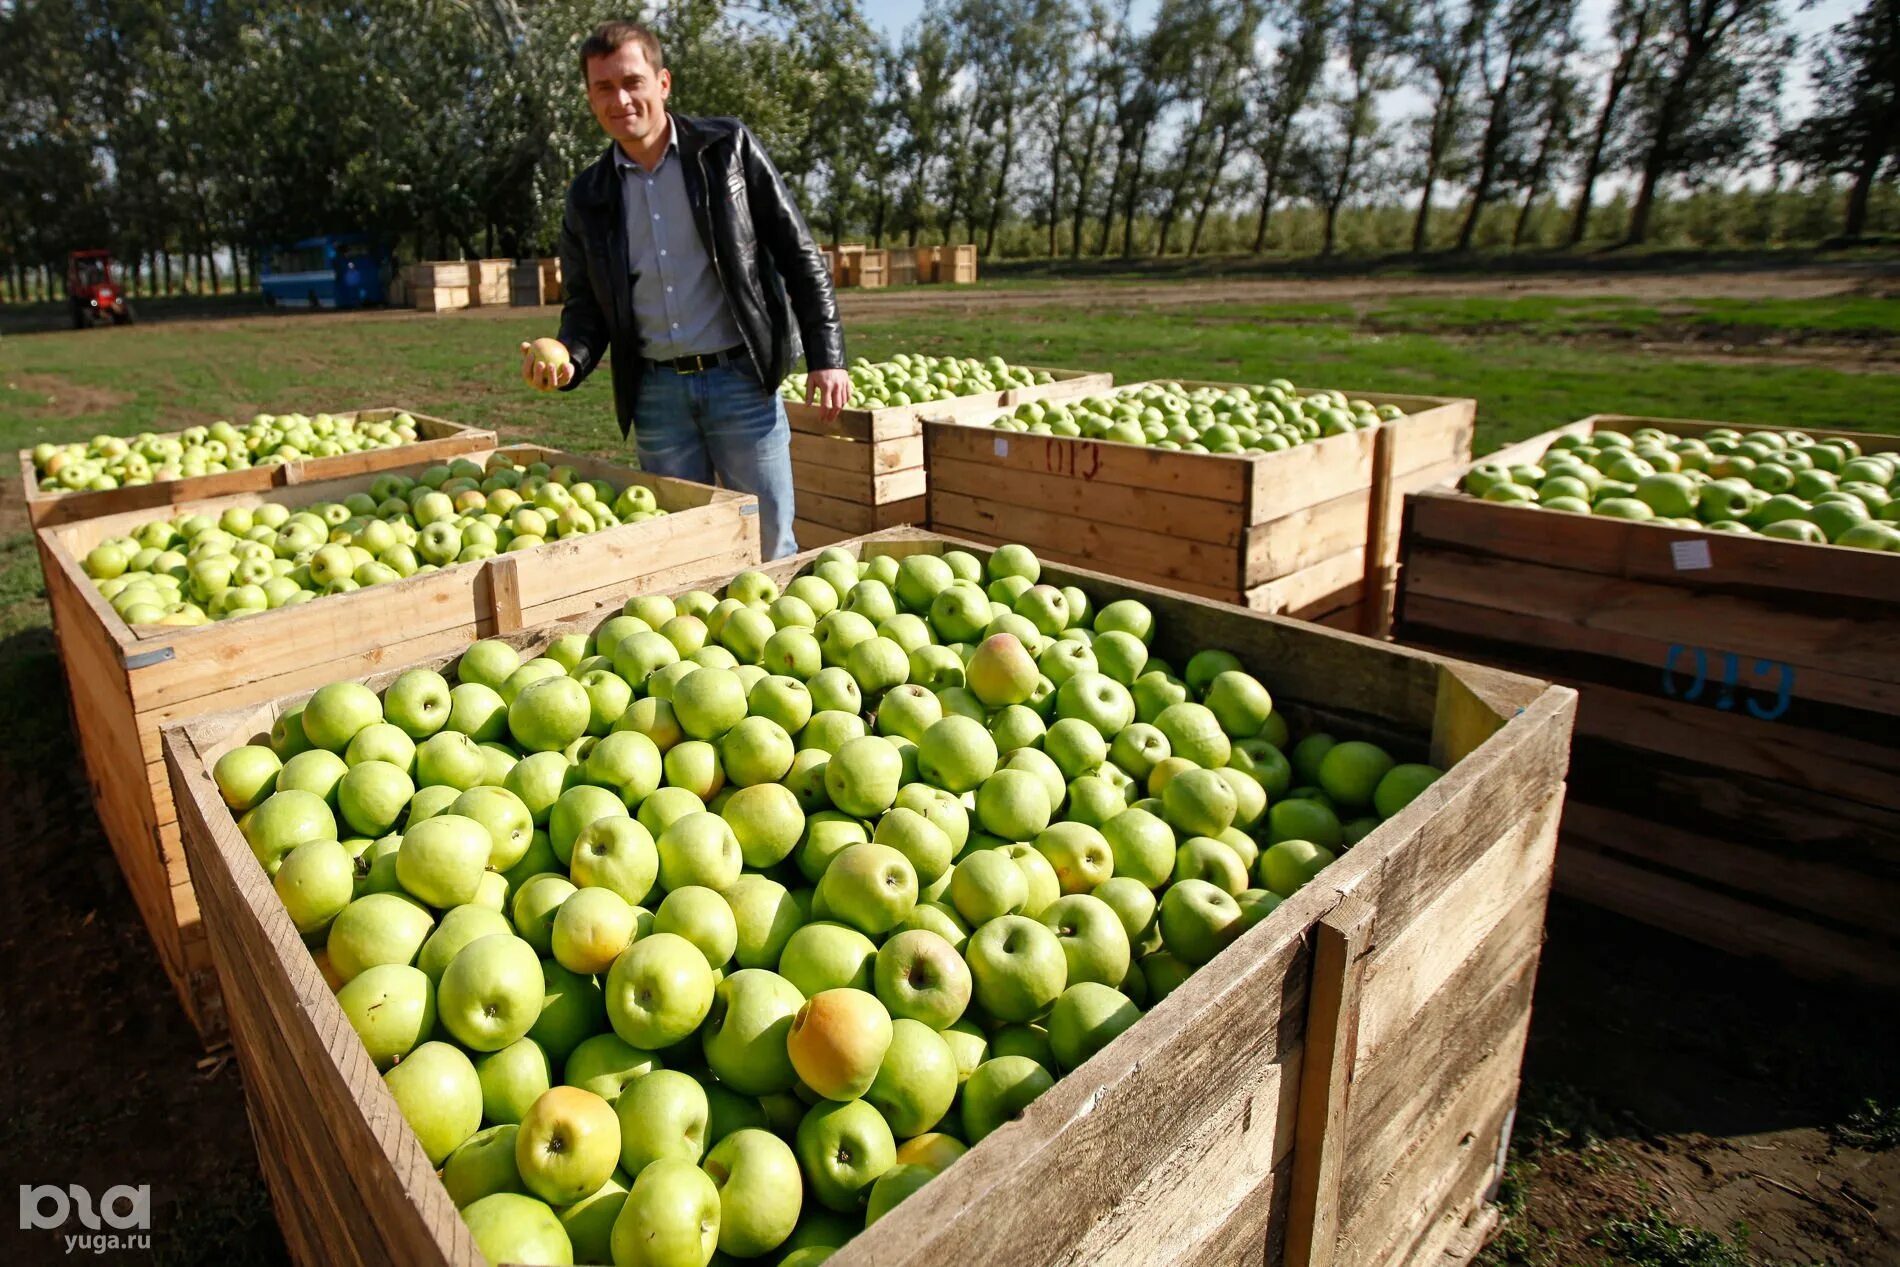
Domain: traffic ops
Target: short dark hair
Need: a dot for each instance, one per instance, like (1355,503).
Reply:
(609,37)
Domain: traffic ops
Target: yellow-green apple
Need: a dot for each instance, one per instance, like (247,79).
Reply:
(956,754)
(442,859)
(755,751)
(440,1097)
(745,1033)
(509,1227)
(590,930)
(549,714)
(376,928)
(483,1166)
(760,1191)
(626,762)
(246,775)
(372,797)
(986,885)
(670,1218)
(391,1007)
(827,956)
(574,809)
(1400,785)
(336,712)
(907,711)
(535,903)
(1097,699)
(702,917)
(939,918)
(1013,804)
(863,775)
(450,758)
(617,854)
(513,1079)
(658,991)
(921,977)
(1205,858)
(1001,671)
(1198,919)
(491,993)
(764,916)
(605,1064)
(933,1150)
(315,882)
(538,781)
(1199,802)
(868,886)
(571,1009)
(700,849)
(999,1091)
(1120,655)
(844,1148)
(1127,615)
(1044,888)
(767,822)
(662,1115)
(568,1145)
(709,702)
(589,1222)
(286,819)
(1133,902)
(1017,968)
(837,1040)
(1288,864)
(917,1081)
(1086,1019)
(895,1184)
(418,701)
(1079,853)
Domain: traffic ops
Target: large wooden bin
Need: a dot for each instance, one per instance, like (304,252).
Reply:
(127,682)
(437,440)
(1309,532)
(864,470)
(1336,1087)
(1737,766)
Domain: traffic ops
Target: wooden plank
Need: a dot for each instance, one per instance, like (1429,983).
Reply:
(837,453)
(1142,551)
(1323,587)
(1332,1039)
(1191,518)
(1309,474)
(1094,462)
(1305,537)
(1715,919)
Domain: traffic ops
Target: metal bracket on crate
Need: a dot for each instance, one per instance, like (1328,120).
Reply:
(144,659)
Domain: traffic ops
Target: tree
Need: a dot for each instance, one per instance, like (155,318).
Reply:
(1520,37)
(1298,59)
(926,112)
(1713,82)
(1372,32)
(1444,45)
(1855,127)
(1556,85)
(1633,27)
(1102,75)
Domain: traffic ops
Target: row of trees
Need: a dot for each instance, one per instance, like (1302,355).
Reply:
(175,131)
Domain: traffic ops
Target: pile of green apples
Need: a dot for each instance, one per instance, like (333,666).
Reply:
(196,569)
(1782,484)
(105,462)
(1264,418)
(728,926)
(913,380)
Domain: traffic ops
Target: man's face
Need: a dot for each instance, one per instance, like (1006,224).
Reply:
(628,96)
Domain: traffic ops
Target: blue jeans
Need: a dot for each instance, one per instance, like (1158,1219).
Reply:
(721,422)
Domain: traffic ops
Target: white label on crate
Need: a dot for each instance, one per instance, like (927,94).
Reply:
(1690,556)
(1002,447)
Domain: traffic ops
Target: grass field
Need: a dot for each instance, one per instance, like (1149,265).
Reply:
(1630,1089)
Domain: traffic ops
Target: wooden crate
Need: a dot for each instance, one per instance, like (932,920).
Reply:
(1309,532)
(864,470)
(437,440)
(957,265)
(435,273)
(928,258)
(551,280)
(1737,766)
(489,284)
(441,298)
(874,268)
(1336,1087)
(527,283)
(127,682)
(903,267)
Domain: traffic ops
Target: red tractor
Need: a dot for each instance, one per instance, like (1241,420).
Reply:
(92,293)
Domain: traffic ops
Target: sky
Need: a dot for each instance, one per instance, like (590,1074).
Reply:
(893,16)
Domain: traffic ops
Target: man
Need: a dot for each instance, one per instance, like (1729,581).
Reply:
(683,255)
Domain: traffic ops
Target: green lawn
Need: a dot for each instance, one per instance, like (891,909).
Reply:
(1532,363)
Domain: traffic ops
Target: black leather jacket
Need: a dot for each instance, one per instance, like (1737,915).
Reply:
(774,278)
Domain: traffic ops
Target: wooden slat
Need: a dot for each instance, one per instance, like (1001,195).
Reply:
(1324,587)
(1198,475)
(1190,518)
(1143,551)
(1326,1075)
(855,455)
(1309,474)
(1306,537)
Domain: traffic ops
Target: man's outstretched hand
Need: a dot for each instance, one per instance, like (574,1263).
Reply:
(544,372)
(829,389)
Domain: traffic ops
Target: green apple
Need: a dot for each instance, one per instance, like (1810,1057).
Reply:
(246,775)
(589,1222)
(391,1007)
(1155,692)
(286,819)
(442,859)
(767,821)
(483,1166)
(700,849)
(1044,888)
(917,1081)
(761,1191)
(1013,804)
(920,976)
(450,758)
(670,1218)
(1001,671)
(591,928)
(1081,855)
(1198,919)
(1133,902)
(376,928)
(658,991)
(765,916)
(574,810)
(1017,968)
(827,956)
(1287,865)
(513,1079)
(491,993)
(746,1031)
(372,797)
(863,775)
(998,1092)
(837,1040)
(549,714)
(871,887)
(1097,699)
(315,882)
(436,1089)
(986,886)
(418,703)
(703,917)
(617,854)
(956,754)
(605,1064)
(1199,802)
(508,1227)
(663,1114)
(1086,1019)
(336,712)
(627,762)
(537,900)
(1194,733)
(844,1148)
(1094,943)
